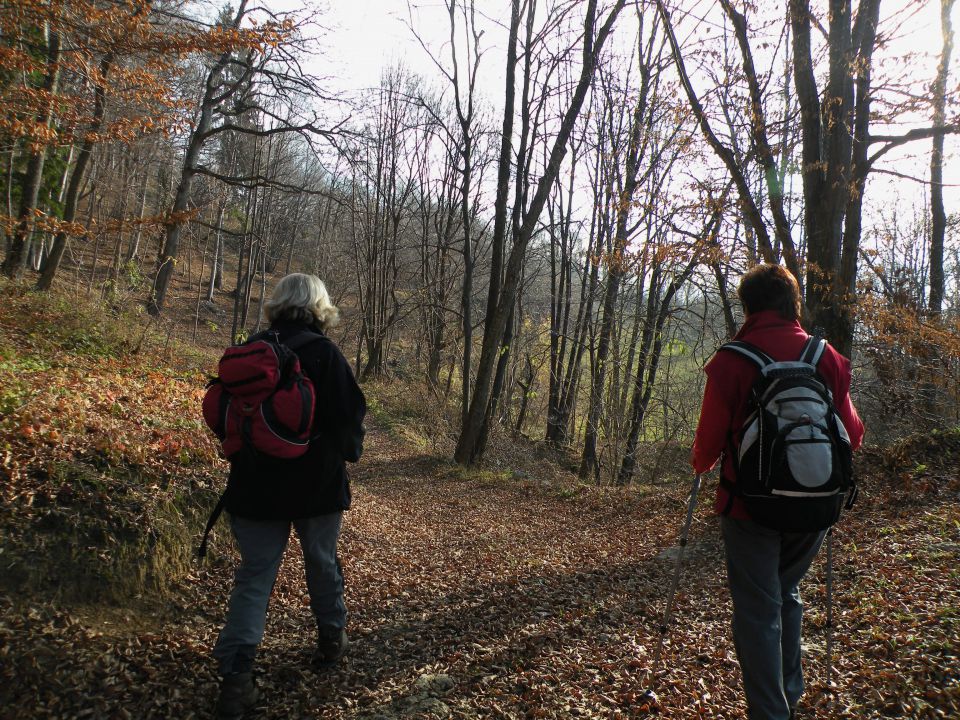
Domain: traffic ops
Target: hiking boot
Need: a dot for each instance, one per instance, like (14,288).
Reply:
(332,644)
(238,693)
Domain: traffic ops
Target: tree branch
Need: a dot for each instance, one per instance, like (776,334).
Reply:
(749,206)
(892,141)
(249,182)
(265,132)
(758,126)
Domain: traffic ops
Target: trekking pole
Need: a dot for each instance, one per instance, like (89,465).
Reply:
(674,583)
(830,608)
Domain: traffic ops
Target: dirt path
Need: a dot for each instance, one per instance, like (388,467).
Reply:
(469,596)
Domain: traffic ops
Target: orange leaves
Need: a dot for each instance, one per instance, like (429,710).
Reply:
(15,60)
(904,327)
(116,411)
(257,37)
(26,128)
(40,432)
(139,78)
(53,225)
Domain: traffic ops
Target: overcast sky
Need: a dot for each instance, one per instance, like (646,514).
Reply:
(367,36)
(363,37)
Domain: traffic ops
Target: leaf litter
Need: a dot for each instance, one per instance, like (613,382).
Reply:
(468,596)
(472,601)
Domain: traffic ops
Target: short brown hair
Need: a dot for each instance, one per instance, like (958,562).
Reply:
(770,287)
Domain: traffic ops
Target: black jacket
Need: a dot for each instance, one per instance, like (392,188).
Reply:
(263,488)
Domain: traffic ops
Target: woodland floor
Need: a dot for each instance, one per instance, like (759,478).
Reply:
(477,594)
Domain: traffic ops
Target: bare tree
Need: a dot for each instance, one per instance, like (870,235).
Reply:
(384,161)
(471,441)
(462,79)
(835,150)
(567,332)
(632,144)
(938,214)
(258,71)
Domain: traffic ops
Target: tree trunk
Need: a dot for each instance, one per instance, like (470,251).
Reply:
(525,397)
(216,262)
(559,417)
(466,301)
(191,160)
(938,215)
(834,159)
(650,353)
(244,251)
(13,265)
(616,268)
(121,216)
(469,441)
(133,249)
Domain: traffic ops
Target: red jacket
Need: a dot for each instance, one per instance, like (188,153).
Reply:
(729,379)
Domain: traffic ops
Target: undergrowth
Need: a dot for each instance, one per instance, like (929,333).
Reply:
(107,469)
(410,413)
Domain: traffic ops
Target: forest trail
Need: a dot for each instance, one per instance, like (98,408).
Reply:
(479,595)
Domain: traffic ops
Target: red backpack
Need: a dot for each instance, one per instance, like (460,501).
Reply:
(261,400)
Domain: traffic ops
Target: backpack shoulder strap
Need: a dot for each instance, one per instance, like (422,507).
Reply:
(268,335)
(302,339)
(813,350)
(753,353)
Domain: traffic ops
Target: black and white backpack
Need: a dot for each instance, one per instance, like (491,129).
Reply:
(792,455)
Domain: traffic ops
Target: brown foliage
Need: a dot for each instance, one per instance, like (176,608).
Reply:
(916,359)
(472,594)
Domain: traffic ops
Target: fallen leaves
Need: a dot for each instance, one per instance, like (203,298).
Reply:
(470,595)
(525,606)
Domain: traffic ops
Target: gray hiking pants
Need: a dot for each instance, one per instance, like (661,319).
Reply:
(262,544)
(764,569)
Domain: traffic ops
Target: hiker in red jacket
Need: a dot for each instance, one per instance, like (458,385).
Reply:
(266,496)
(764,566)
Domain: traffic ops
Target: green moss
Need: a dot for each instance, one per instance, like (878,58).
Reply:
(406,417)
(102,537)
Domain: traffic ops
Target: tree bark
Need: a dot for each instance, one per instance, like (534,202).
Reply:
(938,214)
(835,136)
(14,263)
(469,441)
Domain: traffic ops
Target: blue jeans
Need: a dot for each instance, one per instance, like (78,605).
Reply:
(764,570)
(262,544)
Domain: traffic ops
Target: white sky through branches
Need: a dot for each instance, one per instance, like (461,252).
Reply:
(365,37)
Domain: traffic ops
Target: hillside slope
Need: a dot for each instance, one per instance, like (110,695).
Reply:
(471,593)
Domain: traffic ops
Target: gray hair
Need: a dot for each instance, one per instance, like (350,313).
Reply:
(302,298)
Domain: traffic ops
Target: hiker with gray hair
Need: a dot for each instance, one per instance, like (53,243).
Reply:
(267,495)
(771,539)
